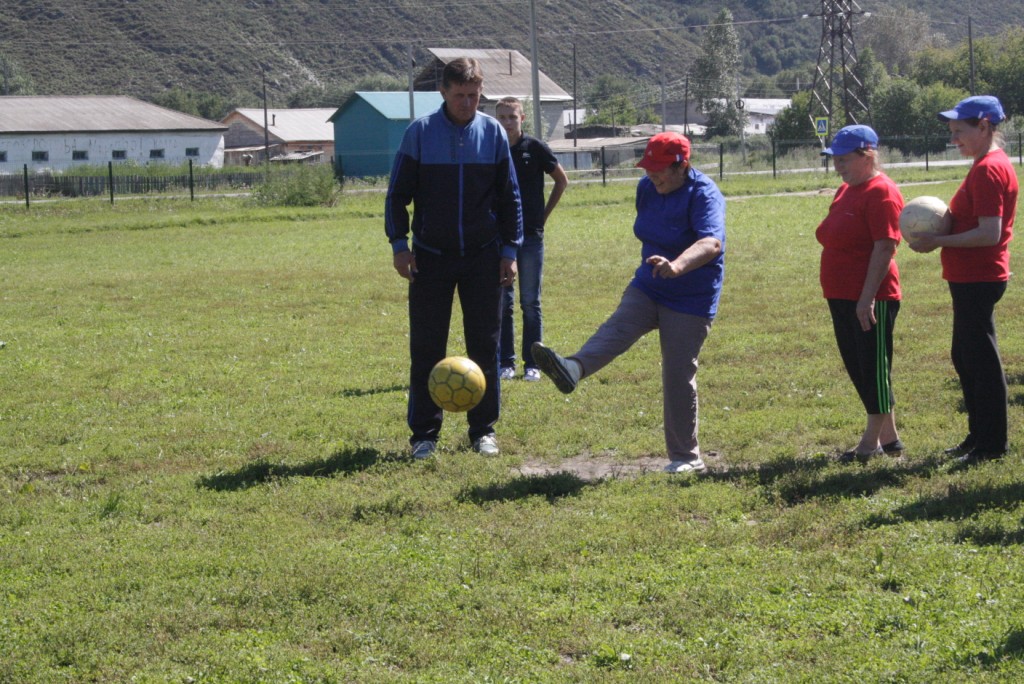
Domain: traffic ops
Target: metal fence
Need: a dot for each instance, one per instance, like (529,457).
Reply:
(117,183)
(764,156)
(589,161)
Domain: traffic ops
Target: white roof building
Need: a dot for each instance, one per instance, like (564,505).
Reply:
(45,133)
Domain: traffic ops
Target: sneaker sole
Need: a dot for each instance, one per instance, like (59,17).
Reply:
(702,468)
(549,364)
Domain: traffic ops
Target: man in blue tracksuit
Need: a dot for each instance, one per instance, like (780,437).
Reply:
(455,168)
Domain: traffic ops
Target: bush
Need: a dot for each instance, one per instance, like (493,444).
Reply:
(307,185)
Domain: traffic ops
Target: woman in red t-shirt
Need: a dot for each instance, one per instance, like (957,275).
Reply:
(976,264)
(860,280)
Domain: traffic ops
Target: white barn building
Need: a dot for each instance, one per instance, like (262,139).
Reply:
(57,133)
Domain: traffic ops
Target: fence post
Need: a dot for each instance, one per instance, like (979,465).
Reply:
(26,185)
(721,160)
(110,179)
(926,157)
(604,169)
(773,158)
(191,182)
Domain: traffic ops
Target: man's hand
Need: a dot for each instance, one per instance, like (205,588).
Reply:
(405,264)
(507,273)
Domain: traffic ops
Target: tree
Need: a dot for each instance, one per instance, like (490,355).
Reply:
(905,114)
(792,122)
(613,101)
(715,77)
(895,33)
(13,80)
(206,105)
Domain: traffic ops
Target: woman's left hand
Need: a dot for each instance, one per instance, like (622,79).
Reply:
(664,268)
(866,314)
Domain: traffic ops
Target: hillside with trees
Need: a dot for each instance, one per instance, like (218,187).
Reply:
(208,57)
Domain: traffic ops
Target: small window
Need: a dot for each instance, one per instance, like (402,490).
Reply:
(118,154)
(3,155)
(156,154)
(191,151)
(39,155)
(79,155)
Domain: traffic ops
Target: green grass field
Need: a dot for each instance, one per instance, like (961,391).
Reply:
(203,469)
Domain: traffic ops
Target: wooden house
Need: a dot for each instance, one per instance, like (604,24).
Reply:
(369,126)
(507,73)
(292,135)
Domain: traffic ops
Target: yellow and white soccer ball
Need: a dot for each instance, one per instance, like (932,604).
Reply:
(456,384)
(925,215)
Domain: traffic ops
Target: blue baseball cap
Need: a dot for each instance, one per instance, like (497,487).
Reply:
(976,107)
(850,138)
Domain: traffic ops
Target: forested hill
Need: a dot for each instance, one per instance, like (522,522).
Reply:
(219,47)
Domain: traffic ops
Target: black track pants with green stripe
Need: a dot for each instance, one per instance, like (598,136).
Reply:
(867,355)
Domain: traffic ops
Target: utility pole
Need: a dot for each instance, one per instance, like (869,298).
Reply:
(663,104)
(537,127)
(412,77)
(266,123)
(970,49)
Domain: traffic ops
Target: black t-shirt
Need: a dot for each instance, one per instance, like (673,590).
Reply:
(532,158)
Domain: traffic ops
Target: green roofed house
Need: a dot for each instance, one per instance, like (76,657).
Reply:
(369,126)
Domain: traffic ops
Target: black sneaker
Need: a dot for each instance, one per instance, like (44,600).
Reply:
(961,449)
(893,447)
(565,374)
(978,455)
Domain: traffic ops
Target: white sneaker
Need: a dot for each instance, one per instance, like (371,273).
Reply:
(532,375)
(486,445)
(508,373)
(423,449)
(695,465)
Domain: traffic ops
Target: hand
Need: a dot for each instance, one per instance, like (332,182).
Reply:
(866,314)
(663,268)
(507,272)
(405,264)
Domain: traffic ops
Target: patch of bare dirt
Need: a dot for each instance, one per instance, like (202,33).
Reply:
(595,467)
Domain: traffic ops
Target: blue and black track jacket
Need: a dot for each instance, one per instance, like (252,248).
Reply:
(462,184)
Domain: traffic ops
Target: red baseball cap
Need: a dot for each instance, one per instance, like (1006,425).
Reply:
(664,150)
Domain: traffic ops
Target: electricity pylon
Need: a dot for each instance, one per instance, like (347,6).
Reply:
(835,79)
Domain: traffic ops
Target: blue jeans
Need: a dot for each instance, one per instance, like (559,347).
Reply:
(531,266)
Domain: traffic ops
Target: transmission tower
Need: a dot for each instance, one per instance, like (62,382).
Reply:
(835,80)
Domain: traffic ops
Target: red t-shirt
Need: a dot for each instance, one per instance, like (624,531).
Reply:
(990,189)
(859,216)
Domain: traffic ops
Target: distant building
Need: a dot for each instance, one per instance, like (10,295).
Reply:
(293,135)
(761,113)
(507,73)
(48,133)
(369,126)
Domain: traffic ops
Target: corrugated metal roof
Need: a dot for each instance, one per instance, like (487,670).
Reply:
(93,114)
(506,73)
(293,125)
(395,105)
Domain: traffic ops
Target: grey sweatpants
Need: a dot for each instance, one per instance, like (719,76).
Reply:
(682,336)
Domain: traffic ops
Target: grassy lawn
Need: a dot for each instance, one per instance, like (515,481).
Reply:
(203,469)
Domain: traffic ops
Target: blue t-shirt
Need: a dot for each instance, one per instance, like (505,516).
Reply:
(668,224)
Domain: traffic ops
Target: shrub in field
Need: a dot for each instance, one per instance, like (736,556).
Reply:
(311,185)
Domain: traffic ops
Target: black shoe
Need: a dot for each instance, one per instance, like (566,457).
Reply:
(893,447)
(961,449)
(563,373)
(978,455)
(852,455)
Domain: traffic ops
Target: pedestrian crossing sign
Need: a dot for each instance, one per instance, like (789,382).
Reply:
(821,125)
